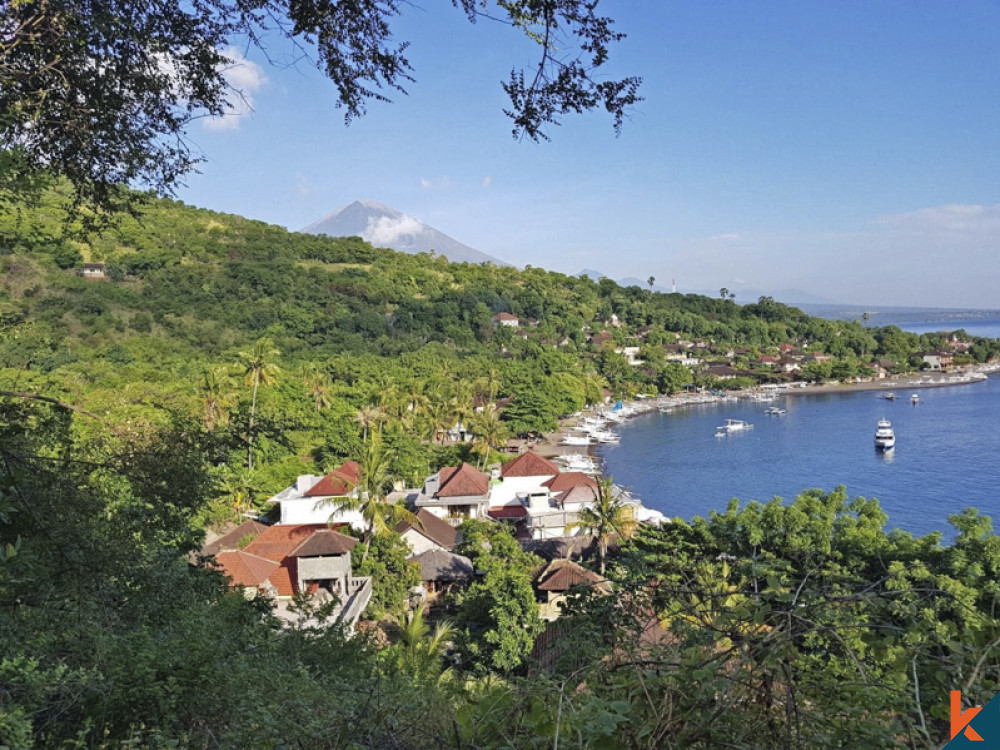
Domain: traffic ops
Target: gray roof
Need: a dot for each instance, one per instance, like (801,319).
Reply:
(438,565)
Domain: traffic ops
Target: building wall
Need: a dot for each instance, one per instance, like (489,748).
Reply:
(418,542)
(325,568)
(506,492)
(309,510)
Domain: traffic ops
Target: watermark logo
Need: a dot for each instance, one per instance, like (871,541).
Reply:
(960,719)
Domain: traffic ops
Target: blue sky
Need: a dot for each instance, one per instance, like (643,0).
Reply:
(850,150)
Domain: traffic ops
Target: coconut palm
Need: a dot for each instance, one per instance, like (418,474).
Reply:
(369,495)
(608,515)
(317,383)
(490,433)
(369,417)
(421,650)
(214,397)
(239,488)
(258,369)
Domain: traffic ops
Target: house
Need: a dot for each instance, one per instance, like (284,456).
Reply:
(94,271)
(310,499)
(430,534)
(286,560)
(722,372)
(236,539)
(558,579)
(506,319)
(602,338)
(938,360)
(631,355)
(443,572)
(519,479)
(455,492)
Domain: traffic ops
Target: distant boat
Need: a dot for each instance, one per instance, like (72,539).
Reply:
(889,396)
(885,438)
(915,399)
(732,425)
(774,411)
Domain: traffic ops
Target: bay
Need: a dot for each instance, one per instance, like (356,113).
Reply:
(947,454)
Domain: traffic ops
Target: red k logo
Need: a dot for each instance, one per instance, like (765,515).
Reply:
(960,719)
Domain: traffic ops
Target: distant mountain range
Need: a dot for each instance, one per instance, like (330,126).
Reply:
(384,226)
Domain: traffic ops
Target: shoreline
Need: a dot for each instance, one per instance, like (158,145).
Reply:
(550,445)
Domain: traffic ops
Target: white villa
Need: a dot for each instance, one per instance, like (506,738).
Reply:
(308,500)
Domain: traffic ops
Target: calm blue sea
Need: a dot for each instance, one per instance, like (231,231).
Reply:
(947,454)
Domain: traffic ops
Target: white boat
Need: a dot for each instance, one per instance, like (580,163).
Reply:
(885,438)
(774,411)
(915,398)
(733,425)
(889,396)
(576,440)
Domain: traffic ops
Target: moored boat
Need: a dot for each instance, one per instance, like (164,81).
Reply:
(885,438)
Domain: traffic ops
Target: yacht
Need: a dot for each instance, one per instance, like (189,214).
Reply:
(885,438)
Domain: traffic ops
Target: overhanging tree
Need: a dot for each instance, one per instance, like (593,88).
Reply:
(102,91)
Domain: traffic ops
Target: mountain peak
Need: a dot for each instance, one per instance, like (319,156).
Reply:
(384,226)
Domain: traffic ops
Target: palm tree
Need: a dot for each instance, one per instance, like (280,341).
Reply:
(317,383)
(651,280)
(367,417)
(490,433)
(421,650)
(214,399)
(608,515)
(369,495)
(258,370)
(239,489)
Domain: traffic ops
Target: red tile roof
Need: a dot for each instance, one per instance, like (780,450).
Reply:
(579,494)
(529,464)
(433,528)
(504,316)
(232,539)
(277,544)
(567,480)
(508,511)
(244,569)
(462,481)
(338,482)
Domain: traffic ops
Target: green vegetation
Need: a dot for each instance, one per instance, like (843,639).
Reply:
(223,357)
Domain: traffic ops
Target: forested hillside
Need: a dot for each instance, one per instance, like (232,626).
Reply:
(212,359)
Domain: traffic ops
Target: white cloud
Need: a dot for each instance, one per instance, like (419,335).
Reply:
(386,230)
(964,219)
(245,78)
(436,183)
(487,181)
(727,237)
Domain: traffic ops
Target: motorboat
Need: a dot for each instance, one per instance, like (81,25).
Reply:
(915,399)
(731,426)
(774,411)
(885,438)
(889,396)
(577,440)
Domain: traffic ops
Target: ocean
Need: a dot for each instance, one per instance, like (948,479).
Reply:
(945,460)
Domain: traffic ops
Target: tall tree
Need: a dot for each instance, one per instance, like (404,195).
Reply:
(214,397)
(369,496)
(258,369)
(607,517)
(103,94)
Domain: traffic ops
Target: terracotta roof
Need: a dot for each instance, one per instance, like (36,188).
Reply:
(232,539)
(562,575)
(277,544)
(338,482)
(529,464)
(433,528)
(508,511)
(438,565)
(244,569)
(325,543)
(567,480)
(504,316)
(462,481)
